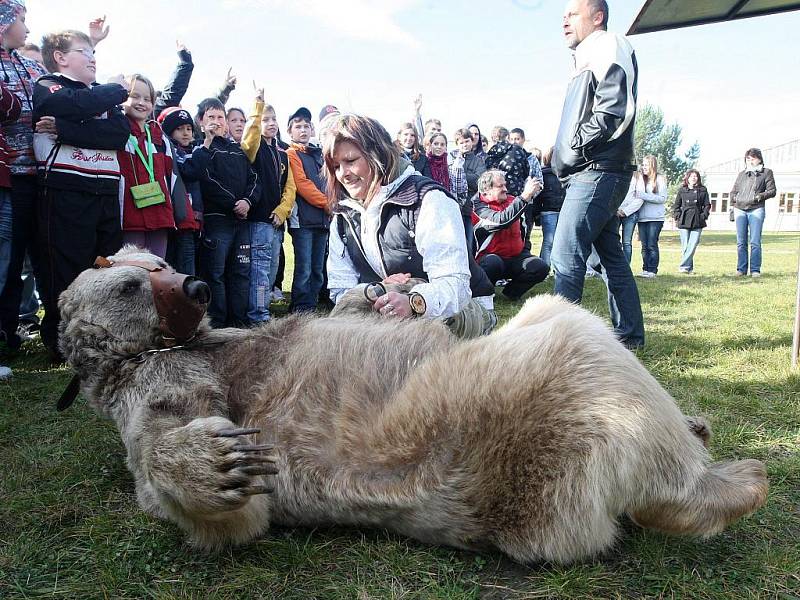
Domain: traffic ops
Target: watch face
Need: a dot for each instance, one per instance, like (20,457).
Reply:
(417,303)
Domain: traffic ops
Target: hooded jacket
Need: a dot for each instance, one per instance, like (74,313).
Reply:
(597,121)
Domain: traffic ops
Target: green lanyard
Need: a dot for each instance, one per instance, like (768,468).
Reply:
(148,162)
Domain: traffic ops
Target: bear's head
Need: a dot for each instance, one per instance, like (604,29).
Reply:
(110,312)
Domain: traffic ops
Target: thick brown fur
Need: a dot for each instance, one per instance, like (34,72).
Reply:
(532,440)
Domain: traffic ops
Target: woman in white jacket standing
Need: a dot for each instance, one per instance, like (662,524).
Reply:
(649,186)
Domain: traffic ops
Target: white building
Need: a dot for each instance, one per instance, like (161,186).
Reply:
(783,211)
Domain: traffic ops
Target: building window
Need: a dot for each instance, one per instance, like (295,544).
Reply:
(724,207)
(714,196)
(789,202)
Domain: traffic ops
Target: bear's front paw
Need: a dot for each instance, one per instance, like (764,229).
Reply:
(209,466)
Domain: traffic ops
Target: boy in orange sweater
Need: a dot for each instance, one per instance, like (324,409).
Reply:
(309,224)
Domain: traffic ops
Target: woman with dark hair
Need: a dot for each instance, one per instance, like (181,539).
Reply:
(690,211)
(391,224)
(408,142)
(753,187)
(477,141)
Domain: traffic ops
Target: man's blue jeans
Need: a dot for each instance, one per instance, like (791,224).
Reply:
(690,238)
(589,217)
(309,259)
(752,220)
(225,264)
(628,225)
(549,220)
(261,235)
(648,234)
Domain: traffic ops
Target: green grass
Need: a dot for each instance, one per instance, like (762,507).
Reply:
(70,527)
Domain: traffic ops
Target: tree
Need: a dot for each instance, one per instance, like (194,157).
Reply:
(653,136)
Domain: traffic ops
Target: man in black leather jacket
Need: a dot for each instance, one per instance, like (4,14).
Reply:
(593,157)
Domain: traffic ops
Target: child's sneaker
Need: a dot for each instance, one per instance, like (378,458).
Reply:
(277,294)
(647,274)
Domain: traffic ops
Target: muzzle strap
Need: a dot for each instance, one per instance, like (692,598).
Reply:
(178,315)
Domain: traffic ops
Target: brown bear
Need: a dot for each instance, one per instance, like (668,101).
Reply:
(533,440)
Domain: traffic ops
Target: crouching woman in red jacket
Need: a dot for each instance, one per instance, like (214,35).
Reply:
(501,232)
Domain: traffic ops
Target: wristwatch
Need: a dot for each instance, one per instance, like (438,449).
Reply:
(417,302)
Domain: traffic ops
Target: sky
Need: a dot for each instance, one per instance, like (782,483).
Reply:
(501,62)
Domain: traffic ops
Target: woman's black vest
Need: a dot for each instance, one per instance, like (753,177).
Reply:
(398,222)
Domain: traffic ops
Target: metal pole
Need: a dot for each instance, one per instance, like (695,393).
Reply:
(796,336)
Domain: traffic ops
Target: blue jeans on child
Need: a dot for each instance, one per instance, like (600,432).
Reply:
(309,259)
(690,238)
(752,220)
(181,250)
(549,220)
(261,253)
(589,217)
(648,234)
(225,264)
(628,225)
(277,247)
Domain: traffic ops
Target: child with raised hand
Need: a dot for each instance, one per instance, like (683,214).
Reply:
(271,163)
(79,129)
(146,168)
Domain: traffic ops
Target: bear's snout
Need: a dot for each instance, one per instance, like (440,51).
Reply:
(197,290)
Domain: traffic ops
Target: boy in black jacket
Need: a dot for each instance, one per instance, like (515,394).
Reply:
(230,188)
(271,163)
(79,127)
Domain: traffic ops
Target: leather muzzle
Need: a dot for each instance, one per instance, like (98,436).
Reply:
(179,315)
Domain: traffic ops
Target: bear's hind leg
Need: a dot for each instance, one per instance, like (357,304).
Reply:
(723,494)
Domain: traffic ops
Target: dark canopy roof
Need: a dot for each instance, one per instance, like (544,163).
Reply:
(658,15)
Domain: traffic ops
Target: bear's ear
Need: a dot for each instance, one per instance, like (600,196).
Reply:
(127,250)
(132,252)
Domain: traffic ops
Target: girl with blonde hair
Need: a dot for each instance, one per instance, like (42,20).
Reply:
(649,186)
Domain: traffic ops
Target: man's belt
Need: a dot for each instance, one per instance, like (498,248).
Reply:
(608,165)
